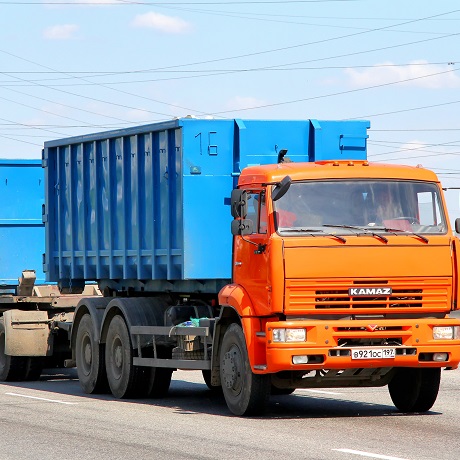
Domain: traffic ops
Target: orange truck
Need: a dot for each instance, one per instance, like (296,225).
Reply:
(339,296)
(320,270)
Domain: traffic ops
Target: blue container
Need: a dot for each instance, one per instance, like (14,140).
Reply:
(149,203)
(22,232)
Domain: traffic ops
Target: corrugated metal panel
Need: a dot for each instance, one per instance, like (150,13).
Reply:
(148,203)
(22,233)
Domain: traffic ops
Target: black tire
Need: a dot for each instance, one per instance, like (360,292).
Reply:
(159,377)
(245,393)
(207,379)
(12,368)
(90,359)
(33,368)
(125,379)
(281,391)
(415,390)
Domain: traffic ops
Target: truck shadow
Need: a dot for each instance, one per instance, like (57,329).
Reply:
(189,398)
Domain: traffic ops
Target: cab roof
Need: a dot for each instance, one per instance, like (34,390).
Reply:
(333,170)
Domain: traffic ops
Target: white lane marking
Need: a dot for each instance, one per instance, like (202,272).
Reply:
(41,399)
(369,454)
(320,391)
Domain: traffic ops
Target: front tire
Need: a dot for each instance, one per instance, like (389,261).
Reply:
(208,381)
(415,390)
(245,393)
(89,356)
(281,391)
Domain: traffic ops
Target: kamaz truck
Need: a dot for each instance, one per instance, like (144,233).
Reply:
(269,255)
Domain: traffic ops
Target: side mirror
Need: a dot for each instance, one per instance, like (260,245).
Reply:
(242,227)
(239,203)
(281,188)
(457,225)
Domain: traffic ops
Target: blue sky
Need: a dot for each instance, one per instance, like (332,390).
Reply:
(72,67)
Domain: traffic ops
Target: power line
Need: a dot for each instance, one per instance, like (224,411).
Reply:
(422,147)
(340,93)
(266,18)
(201,73)
(374,115)
(404,130)
(128,2)
(251,54)
(301,45)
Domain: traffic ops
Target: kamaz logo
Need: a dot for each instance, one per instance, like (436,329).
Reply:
(369,291)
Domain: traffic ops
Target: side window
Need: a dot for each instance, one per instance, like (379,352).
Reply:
(262,227)
(257,211)
(428,208)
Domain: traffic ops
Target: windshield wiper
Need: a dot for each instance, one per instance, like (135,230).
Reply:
(363,229)
(395,231)
(312,231)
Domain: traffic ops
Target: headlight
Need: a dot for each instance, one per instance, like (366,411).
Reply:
(446,332)
(289,335)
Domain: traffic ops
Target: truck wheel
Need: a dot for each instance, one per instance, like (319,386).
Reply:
(415,390)
(12,368)
(33,368)
(125,379)
(281,391)
(245,393)
(89,356)
(160,377)
(207,379)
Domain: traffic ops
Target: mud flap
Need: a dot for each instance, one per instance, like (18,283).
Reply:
(27,333)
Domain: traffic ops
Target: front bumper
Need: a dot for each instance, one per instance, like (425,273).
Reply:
(329,344)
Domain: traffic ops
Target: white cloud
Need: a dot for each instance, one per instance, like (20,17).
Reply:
(61,32)
(244,102)
(95,2)
(161,22)
(385,73)
(138,116)
(57,4)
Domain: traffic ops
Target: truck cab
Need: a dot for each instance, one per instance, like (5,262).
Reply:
(348,271)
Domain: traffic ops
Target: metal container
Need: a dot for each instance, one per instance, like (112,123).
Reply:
(22,232)
(146,208)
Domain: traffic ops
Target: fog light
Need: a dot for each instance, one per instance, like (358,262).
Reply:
(446,332)
(441,357)
(303,359)
(289,335)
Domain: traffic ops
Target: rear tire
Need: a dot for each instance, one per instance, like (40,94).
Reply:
(125,379)
(89,356)
(415,390)
(12,368)
(33,368)
(159,377)
(245,393)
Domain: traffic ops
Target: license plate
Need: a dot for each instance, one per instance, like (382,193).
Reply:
(373,353)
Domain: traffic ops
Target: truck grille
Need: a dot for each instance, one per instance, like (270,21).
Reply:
(399,298)
(328,295)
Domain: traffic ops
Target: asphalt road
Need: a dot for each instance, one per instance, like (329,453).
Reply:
(54,419)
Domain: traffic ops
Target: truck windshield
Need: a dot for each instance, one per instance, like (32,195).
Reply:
(344,207)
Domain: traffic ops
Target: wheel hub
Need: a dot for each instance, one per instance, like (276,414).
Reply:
(231,366)
(88,354)
(118,356)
